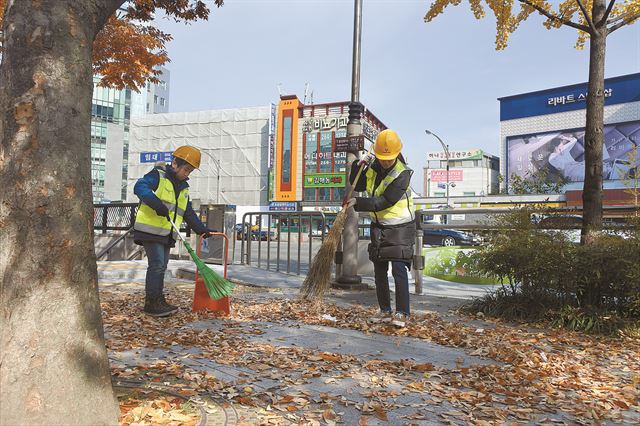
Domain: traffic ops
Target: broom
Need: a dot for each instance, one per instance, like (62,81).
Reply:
(217,286)
(317,281)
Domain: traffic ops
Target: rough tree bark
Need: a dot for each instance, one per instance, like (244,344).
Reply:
(594,133)
(53,362)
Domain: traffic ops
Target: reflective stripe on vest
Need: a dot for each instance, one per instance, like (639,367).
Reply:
(147,220)
(401,212)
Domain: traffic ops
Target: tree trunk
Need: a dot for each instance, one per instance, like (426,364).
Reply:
(594,134)
(54,366)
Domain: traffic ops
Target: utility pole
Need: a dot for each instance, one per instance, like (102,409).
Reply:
(349,277)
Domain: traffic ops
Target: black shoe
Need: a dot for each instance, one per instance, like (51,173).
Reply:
(156,307)
(173,308)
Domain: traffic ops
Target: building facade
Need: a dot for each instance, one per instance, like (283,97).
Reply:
(158,93)
(471,172)
(543,133)
(308,170)
(235,153)
(111,113)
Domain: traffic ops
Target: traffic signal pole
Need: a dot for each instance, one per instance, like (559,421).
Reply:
(348,274)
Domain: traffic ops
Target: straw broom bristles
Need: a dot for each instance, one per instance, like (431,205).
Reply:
(317,281)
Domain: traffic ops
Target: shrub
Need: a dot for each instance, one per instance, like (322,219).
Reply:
(548,272)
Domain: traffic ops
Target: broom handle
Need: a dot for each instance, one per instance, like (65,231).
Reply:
(176,228)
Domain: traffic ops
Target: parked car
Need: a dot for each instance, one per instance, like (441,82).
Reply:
(570,226)
(263,236)
(256,234)
(449,237)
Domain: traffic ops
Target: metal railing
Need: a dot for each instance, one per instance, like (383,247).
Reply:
(270,226)
(119,217)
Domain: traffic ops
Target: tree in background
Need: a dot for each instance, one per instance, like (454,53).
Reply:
(53,363)
(594,20)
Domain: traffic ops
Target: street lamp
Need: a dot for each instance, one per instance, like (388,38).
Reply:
(446,153)
(218,166)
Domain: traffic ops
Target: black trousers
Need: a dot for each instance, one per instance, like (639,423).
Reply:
(401,279)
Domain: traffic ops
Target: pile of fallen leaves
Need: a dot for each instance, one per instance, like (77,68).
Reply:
(536,374)
(147,408)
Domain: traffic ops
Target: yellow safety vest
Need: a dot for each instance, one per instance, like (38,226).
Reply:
(147,220)
(401,212)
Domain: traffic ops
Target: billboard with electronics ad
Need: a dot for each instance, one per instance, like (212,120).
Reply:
(560,154)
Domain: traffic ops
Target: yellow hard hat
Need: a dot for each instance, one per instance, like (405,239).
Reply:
(189,154)
(388,145)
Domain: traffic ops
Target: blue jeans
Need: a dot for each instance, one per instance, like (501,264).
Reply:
(401,280)
(158,257)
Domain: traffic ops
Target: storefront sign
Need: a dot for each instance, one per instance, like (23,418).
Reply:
(272,136)
(154,157)
(324,180)
(471,154)
(350,144)
(441,176)
(288,206)
(323,124)
(572,97)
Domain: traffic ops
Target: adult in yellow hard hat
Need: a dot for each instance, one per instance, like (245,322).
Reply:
(392,212)
(164,196)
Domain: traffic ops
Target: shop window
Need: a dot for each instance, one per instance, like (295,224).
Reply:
(310,194)
(324,194)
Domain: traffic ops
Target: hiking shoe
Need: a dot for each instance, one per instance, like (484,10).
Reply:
(381,317)
(173,308)
(399,320)
(157,307)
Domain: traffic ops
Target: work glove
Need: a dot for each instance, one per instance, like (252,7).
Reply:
(366,159)
(207,233)
(162,210)
(348,203)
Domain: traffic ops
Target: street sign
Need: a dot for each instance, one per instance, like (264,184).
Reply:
(349,144)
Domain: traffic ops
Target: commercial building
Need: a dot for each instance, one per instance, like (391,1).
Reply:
(309,170)
(471,172)
(235,153)
(543,133)
(158,93)
(111,114)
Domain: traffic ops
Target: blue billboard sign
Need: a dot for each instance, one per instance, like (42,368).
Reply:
(617,90)
(289,206)
(154,157)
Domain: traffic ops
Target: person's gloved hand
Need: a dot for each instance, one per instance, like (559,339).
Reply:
(162,210)
(367,159)
(348,203)
(207,233)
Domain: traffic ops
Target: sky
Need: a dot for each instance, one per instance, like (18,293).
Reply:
(444,76)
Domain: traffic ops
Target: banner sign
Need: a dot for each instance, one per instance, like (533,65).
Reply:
(471,154)
(350,144)
(617,90)
(289,206)
(324,180)
(441,175)
(560,154)
(154,157)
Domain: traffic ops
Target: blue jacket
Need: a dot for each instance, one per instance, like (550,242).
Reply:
(144,189)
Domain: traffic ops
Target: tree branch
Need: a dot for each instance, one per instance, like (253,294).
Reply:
(563,21)
(623,23)
(586,16)
(606,13)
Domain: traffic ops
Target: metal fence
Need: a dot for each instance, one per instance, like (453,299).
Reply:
(272,228)
(118,217)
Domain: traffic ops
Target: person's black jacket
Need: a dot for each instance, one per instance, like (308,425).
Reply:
(388,242)
(144,189)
